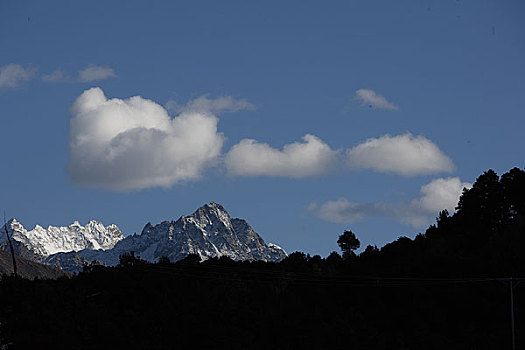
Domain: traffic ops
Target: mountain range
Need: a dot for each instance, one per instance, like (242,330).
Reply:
(208,232)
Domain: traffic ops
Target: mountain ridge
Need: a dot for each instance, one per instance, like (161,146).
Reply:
(41,242)
(208,232)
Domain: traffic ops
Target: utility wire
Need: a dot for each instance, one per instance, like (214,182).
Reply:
(287,277)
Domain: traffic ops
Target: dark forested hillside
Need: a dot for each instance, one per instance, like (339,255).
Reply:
(448,288)
(27,268)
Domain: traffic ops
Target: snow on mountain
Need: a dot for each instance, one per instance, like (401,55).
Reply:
(208,232)
(40,242)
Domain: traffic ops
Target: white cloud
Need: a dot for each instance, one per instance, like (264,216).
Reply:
(57,76)
(441,194)
(14,75)
(203,104)
(437,195)
(372,99)
(94,73)
(133,143)
(405,155)
(344,211)
(309,158)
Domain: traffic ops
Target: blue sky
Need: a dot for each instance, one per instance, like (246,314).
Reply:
(436,87)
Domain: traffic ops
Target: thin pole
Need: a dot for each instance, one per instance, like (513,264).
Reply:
(512,313)
(11,247)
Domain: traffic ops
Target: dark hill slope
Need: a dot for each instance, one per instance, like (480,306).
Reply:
(28,269)
(485,237)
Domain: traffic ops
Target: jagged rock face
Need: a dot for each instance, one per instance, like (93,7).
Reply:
(40,242)
(209,232)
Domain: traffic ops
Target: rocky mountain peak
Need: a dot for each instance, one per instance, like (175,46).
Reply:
(211,216)
(208,232)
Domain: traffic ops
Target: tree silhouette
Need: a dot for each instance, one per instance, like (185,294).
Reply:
(164,260)
(334,258)
(513,184)
(348,242)
(484,200)
(129,259)
(369,252)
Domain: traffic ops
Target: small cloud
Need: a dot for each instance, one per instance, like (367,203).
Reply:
(312,206)
(296,160)
(57,76)
(14,75)
(203,104)
(371,99)
(344,211)
(131,144)
(94,73)
(439,194)
(406,155)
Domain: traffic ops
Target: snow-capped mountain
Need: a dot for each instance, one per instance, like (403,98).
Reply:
(40,242)
(208,232)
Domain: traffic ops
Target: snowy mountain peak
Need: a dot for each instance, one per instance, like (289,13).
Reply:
(208,232)
(216,207)
(41,242)
(12,224)
(213,209)
(210,216)
(75,224)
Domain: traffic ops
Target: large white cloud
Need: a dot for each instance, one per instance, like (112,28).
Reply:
(372,99)
(299,159)
(405,155)
(94,73)
(435,196)
(14,75)
(133,144)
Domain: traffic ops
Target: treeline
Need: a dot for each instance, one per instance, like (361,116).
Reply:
(447,288)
